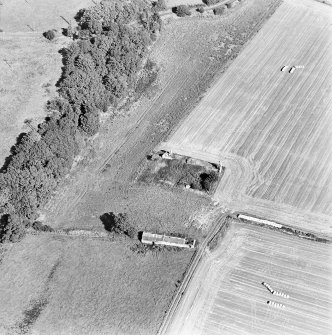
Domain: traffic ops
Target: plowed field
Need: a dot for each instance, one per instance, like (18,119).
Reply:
(226,296)
(271,128)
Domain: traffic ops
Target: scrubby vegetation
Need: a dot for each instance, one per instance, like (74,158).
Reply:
(12,229)
(143,249)
(159,5)
(182,10)
(219,10)
(101,68)
(118,224)
(214,242)
(50,34)
(211,2)
(179,173)
(200,9)
(38,226)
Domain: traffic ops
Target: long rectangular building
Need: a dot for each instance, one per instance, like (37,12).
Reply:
(158,239)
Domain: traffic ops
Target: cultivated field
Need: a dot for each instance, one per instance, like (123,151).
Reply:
(226,296)
(272,129)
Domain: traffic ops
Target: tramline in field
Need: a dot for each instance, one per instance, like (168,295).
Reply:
(268,120)
(226,295)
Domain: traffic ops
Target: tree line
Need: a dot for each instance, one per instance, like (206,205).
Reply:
(100,68)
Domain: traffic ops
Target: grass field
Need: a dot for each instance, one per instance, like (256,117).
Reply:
(226,296)
(38,15)
(272,129)
(30,66)
(60,285)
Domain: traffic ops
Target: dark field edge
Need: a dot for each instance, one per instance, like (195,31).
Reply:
(295,231)
(35,306)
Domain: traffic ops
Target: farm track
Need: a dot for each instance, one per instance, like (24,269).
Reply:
(272,129)
(155,102)
(226,294)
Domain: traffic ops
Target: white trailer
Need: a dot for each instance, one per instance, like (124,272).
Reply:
(253,219)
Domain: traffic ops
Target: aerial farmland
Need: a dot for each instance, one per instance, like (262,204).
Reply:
(271,128)
(228,295)
(167,167)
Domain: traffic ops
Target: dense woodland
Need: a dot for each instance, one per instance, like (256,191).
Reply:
(101,67)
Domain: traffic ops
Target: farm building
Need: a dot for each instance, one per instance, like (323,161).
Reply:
(158,239)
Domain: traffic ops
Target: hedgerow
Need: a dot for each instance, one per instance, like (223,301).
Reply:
(101,68)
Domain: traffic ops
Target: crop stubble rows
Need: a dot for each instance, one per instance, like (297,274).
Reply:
(274,125)
(227,295)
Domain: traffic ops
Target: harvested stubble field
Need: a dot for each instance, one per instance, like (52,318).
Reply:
(226,296)
(272,129)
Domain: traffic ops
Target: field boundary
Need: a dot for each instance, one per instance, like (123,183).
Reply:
(213,237)
(190,273)
(291,230)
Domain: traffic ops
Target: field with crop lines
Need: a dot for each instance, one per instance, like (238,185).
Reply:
(226,296)
(271,129)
